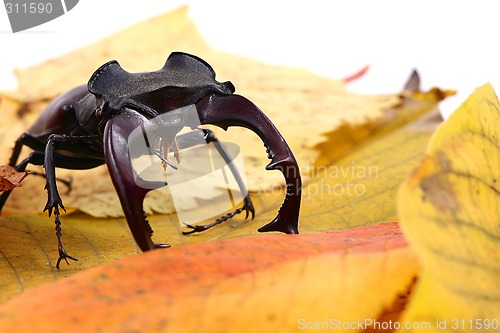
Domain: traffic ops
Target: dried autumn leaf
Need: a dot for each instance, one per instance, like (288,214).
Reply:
(10,177)
(450,210)
(273,283)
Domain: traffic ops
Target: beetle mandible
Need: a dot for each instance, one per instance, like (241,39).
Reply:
(89,125)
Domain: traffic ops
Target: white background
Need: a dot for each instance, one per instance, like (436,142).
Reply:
(453,44)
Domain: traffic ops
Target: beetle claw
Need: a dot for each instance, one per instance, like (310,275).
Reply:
(195,228)
(247,207)
(54,203)
(65,256)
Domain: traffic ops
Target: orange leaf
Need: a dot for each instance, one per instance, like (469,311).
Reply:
(269,283)
(10,178)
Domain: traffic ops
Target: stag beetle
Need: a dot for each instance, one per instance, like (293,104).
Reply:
(88,126)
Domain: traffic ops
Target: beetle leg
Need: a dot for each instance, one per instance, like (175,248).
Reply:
(116,152)
(199,228)
(53,160)
(16,150)
(28,140)
(62,252)
(247,203)
(54,201)
(210,137)
(236,110)
(37,158)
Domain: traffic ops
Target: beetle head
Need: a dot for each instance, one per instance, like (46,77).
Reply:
(183,80)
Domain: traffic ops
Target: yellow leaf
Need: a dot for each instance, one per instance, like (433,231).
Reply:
(450,210)
(361,187)
(412,104)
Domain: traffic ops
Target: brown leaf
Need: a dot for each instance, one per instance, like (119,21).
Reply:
(10,177)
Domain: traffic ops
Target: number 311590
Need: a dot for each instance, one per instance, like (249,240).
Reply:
(474,324)
(29,8)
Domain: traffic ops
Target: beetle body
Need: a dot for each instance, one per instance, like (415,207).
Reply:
(89,125)
(60,117)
